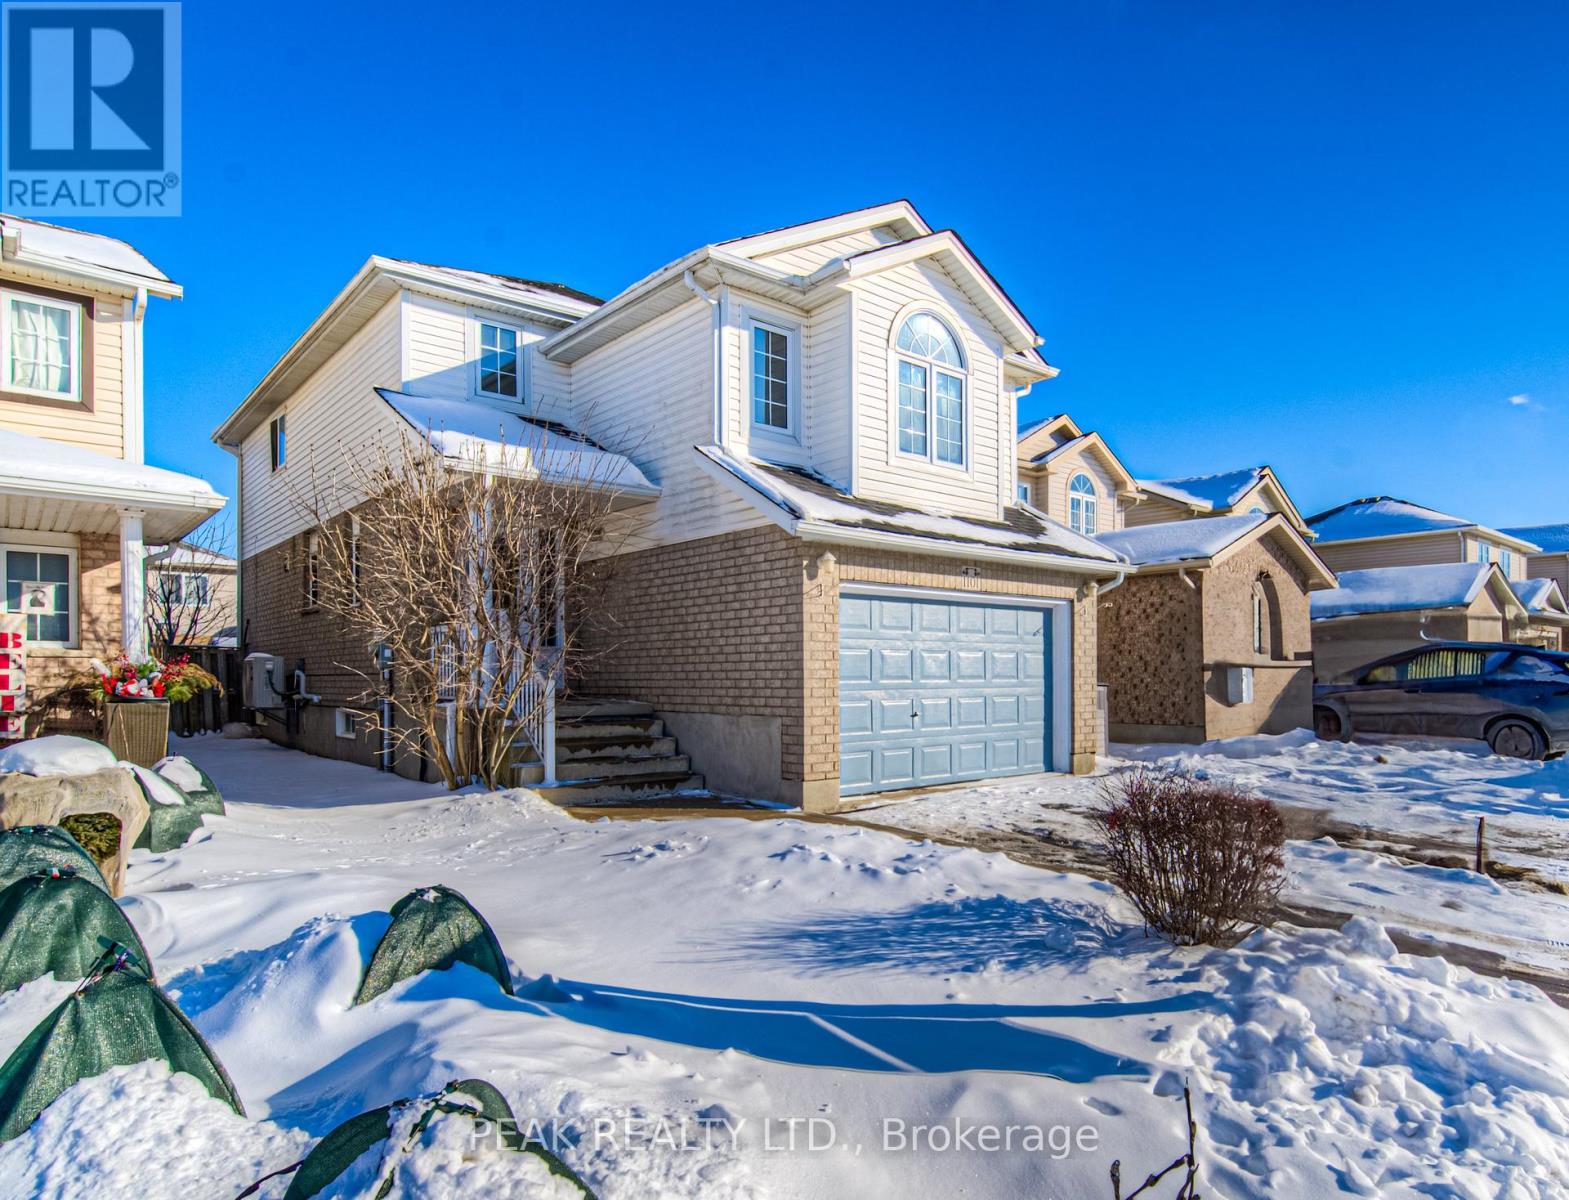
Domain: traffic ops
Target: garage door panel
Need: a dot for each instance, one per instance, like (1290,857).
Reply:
(934,691)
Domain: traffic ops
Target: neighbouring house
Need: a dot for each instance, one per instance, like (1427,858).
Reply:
(1379,611)
(1550,561)
(78,504)
(1382,533)
(192,593)
(1248,490)
(1546,613)
(830,587)
(1210,636)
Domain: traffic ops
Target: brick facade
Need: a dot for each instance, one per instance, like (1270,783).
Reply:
(1166,643)
(746,625)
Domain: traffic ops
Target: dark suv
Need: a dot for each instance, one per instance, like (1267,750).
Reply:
(1515,698)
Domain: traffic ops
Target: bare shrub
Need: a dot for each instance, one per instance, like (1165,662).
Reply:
(1203,862)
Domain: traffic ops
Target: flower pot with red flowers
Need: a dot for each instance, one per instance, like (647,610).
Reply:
(138,694)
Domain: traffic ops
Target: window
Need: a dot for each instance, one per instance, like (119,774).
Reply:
(498,361)
(771,378)
(312,570)
(1268,632)
(930,383)
(345,724)
(1431,664)
(1484,552)
(41,582)
(43,346)
(279,446)
(1260,621)
(184,589)
(1509,665)
(1024,493)
(1082,501)
(1506,561)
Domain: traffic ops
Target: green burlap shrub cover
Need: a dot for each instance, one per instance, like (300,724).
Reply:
(28,849)
(432,929)
(116,1019)
(473,1099)
(58,923)
(179,794)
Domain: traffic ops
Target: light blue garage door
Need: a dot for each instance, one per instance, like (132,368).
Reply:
(934,691)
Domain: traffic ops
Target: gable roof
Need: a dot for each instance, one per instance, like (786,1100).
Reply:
(708,267)
(1386,516)
(1541,597)
(1406,589)
(86,255)
(1553,539)
(1207,541)
(1207,492)
(524,287)
(1089,443)
(1042,442)
(812,508)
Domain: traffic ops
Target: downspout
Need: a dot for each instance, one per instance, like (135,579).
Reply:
(714,352)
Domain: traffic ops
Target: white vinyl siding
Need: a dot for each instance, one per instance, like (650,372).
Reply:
(803,260)
(649,395)
(332,414)
(825,355)
(985,485)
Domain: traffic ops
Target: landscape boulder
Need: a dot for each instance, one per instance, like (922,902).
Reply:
(49,799)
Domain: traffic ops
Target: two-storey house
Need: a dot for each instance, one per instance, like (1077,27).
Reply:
(1409,573)
(830,587)
(78,504)
(1546,587)
(1209,635)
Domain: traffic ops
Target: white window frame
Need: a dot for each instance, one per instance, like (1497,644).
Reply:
(278,442)
(1484,552)
(345,724)
(73,579)
(791,332)
(1086,502)
(1505,561)
(931,367)
(78,331)
(476,340)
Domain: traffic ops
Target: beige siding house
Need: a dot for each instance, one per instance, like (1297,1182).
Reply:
(829,588)
(1551,562)
(1383,534)
(1227,493)
(77,502)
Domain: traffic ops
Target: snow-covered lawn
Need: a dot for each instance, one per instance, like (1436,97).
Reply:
(724,1007)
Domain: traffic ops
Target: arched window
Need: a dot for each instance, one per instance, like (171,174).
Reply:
(1268,634)
(931,383)
(1082,500)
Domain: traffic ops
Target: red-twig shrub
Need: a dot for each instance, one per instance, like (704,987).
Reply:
(1202,861)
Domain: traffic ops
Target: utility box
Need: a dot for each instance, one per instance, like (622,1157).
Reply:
(1239,685)
(262,681)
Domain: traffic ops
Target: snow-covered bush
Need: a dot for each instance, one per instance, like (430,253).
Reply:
(1202,861)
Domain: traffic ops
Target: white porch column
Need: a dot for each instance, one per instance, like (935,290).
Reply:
(133,583)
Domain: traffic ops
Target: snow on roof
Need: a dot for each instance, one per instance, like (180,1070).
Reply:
(1181,541)
(182,554)
(510,282)
(478,432)
(809,497)
(1207,492)
(1399,589)
(76,247)
(1539,595)
(1553,539)
(38,464)
(1381,516)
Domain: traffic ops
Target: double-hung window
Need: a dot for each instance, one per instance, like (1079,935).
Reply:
(930,385)
(498,362)
(773,359)
(42,337)
(41,582)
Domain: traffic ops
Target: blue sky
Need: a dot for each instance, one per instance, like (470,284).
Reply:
(1331,237)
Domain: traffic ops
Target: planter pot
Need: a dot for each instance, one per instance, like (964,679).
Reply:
(137,730)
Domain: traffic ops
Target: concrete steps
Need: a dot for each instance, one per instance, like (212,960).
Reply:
(609,751)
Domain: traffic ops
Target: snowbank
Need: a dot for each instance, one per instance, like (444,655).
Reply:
(59,755)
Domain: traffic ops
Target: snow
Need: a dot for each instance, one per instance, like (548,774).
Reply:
(40,240)
(57,755)
(1539,595)
(1179,541)
(156,788)
(811,504)
(1553,539)
(684,978)
(180,771)
(1207,492)
(1381,516)
(475,431)
(44,465)
(1397,589)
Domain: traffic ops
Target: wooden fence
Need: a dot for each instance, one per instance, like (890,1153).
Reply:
(210,711)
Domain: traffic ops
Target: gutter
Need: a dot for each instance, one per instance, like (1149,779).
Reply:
(21,485)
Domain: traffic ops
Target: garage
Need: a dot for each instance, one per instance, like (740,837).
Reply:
(941,690)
